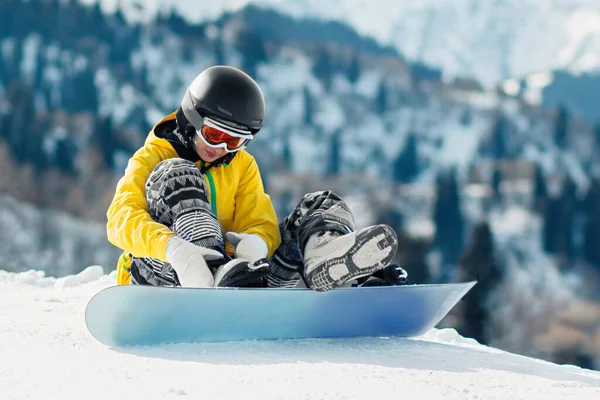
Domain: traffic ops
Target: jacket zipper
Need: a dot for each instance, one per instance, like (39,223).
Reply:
(213,192)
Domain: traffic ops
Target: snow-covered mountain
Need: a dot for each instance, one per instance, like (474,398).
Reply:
(579,92)
(490,40)
(47,353)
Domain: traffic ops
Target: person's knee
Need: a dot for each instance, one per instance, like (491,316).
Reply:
(184,172)
(175,163)
(164,188)
(321,197)
(173,168)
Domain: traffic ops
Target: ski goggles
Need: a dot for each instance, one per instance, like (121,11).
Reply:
(218,135)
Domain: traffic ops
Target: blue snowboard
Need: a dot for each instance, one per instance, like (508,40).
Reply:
(146,315)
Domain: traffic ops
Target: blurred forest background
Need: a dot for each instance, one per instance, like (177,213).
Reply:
(479,181)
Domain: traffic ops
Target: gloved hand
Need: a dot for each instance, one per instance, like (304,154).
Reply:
(189,262)
(249,247)
(240,273)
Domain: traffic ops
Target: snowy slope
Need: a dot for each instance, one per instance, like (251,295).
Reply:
(47,353)
(490,40)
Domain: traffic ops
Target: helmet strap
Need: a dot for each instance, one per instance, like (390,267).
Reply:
(226,159)
(186,129)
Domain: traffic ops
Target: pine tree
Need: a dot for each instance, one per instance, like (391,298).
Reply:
(14,63)
(411,255)
(4,71)
(478,263)
(591,230)
(219,51)
(66,153)
(559,220)
(40,66)
(252,48)
(334,161)
(381,98)
(496,182)
(265,179)
(285,204)
(323,68)
(466,117)
(448,218)
(499,138)
(7,10)
(19,21)
(119,15)
(561,129)
(308,106)
(5,126)
(84,92)
(288,160)
(569,210)
(97,21)
(105,140)
(551,225)
(33,144)
(51,14)
(21,97)
(540,190)
(176,22)
(67,19)
(391,217)
(354,69)
(406,165)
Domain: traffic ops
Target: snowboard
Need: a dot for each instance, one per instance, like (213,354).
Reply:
(146,315)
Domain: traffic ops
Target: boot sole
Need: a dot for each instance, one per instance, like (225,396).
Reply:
(373,249)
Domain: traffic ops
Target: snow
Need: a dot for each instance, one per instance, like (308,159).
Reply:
(31,47)
(46,352)
(511,87)
(368,83)
(539,80)
(420,227)
(583,27)
(331,116)
(513,221)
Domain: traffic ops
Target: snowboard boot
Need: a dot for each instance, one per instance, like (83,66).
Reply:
(331,258)
(391,275)
(240,273)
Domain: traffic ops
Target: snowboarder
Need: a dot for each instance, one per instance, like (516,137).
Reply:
(191,209)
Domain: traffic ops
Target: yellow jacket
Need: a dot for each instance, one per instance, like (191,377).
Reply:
(235,191)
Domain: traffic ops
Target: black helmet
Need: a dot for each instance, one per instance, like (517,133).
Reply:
(227,95)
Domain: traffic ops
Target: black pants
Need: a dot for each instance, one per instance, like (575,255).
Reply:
(177,198)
